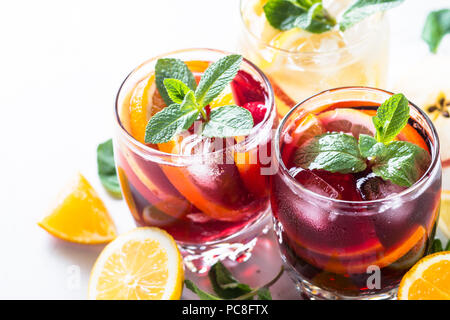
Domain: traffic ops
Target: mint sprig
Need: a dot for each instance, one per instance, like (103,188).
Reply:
(401,162)
(305,14)
(364,8)
(334,152)
(172,68)
(188,101)
(227,287)
(436,27)
(392,116)
(310,15)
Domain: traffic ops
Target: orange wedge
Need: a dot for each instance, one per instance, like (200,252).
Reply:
(143,264)
(79,215)
(429,279)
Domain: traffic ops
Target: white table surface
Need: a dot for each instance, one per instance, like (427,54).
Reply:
(61,65)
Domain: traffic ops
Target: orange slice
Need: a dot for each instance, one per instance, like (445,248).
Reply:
(375,256)
(143,264)
(308,128)
(283,102)
(225,98)
(429,279)
(198,196)
(79,215)
(250,170)
(145,102)
(444,215)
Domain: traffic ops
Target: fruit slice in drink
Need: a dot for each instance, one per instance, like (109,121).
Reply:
(220,196)
(147,176)
(358,122)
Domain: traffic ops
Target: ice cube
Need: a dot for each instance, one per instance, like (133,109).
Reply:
(372,187)
(314,183)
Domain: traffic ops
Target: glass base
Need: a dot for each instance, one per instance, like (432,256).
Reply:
(237,248)
(312,292)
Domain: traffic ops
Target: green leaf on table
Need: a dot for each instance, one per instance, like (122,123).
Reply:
(216,77)
(334,152)
(403,163)
(308,15)
(107,169)
(170,68)
(436,27)
(168,122)
(228,121)
(176,90)
(364,8)
(392,116)
(224,284)
(437,246)
(203,295)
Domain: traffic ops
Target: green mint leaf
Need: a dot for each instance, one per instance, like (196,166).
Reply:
(317,20)
(203,295)
(334,152)
(171,120)
(106,168)
(170,68)
(283,14)
(436,27)
(364,8)
(264,294)
(403,163)
(224,284)
(216,77)
(176,90)
(392,116)
(369,147)
(228,121)
(307,15)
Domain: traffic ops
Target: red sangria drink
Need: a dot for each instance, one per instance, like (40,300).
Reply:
(193,139)
(356,197)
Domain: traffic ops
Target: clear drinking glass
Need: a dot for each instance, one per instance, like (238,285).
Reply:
(299,63)
(338,249)
(211,198)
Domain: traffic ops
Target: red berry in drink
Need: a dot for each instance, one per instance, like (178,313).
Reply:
(257,109)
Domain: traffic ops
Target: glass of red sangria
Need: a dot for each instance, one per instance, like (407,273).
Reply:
(193,134)
(356,196)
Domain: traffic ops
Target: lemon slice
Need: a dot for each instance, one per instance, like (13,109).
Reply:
(225,98)
(429,279)
(79,215)
(444,215)
(143,264)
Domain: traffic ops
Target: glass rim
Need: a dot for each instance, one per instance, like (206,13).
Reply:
(435,151)
(270,104)
(299,53)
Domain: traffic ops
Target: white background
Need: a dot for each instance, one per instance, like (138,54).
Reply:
(61,63)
